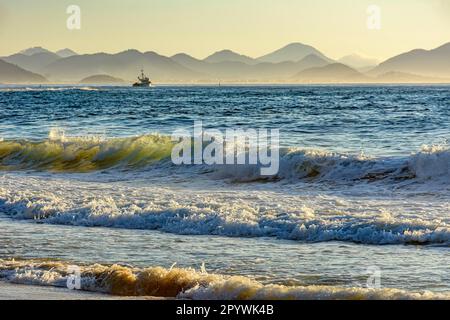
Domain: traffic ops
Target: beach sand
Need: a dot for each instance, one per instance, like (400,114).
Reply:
(10,291)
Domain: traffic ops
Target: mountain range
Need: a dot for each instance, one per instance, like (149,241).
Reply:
(10,73)
(294,63)
(433,63)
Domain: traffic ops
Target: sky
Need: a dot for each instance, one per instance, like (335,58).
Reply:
(201,27)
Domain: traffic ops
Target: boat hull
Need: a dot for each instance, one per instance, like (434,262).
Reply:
(138,85)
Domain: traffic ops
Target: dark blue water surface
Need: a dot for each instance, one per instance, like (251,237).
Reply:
(382,120)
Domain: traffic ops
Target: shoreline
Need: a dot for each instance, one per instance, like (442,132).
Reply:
(13,291)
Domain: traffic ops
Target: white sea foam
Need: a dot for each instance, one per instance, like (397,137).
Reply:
(47,88)
(432,162)
(295,212)
(316,196)
(185,283)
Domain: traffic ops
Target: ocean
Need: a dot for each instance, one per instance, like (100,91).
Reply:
(358,210)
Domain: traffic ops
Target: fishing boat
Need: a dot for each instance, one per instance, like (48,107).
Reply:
(143,81)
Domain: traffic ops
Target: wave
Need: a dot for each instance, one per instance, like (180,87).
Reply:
(47,88)
(194,214)
(430,163)
(183,283)
(59,153)
(82,154)
(255,211)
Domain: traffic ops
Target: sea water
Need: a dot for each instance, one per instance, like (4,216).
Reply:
(363,190)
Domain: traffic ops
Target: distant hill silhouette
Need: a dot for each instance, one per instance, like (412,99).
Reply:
(294,62)
(101,79)
(34,50)
(10,73)
(125,65)
(357,61)
(229,56)
(332,73)
(64,53)
(188,61)
(293,52)
(35,62)
(239,71)
(311,61)
(434,63)
(401,77)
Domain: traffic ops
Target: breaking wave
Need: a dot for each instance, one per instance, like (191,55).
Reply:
(59,153)
(83,154)
(183,283)
(193,214)
(307,218)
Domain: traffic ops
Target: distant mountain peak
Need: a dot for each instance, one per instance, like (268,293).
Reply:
(183,57)
(444,47)
(332,73)
(181,54)
(296,45)
(34,50)
(430,63)
(65,53)
(129,54)
(229,56)
(225,51)
(295,52)
(130,51)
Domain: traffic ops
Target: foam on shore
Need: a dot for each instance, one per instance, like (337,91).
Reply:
(183,283)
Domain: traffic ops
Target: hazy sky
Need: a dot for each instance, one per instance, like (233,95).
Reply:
(200,27)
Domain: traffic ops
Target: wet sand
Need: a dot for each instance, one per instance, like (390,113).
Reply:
(10,291)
